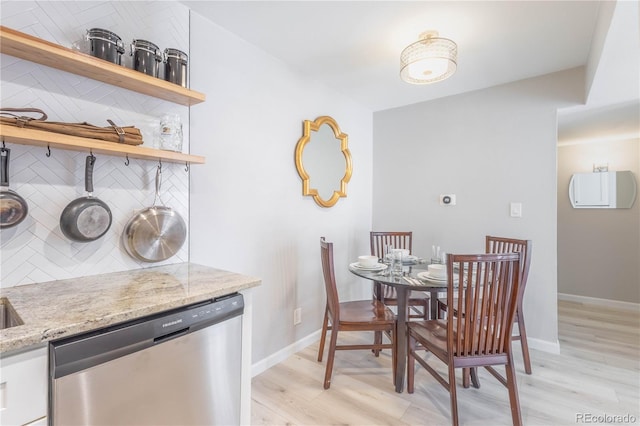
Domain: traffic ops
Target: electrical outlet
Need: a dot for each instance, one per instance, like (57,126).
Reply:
(297,316)
(447,199)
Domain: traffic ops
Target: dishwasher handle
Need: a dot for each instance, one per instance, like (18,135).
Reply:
(171,335)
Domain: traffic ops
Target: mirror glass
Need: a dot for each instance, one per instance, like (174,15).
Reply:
(323,161)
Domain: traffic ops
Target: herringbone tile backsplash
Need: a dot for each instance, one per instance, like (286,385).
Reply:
(36,250)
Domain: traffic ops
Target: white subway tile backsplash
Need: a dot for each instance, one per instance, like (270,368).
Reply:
(19,13)
(36,250)
(19,274)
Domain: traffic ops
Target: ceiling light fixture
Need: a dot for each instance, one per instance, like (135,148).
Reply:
(429,59)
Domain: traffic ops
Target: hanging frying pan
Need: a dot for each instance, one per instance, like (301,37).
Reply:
(155,233)
(86,218)
(13,208)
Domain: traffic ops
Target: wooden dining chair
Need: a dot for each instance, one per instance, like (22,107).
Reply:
(508,245)
(418,306)
(512,245)
(361,315)
(486,287)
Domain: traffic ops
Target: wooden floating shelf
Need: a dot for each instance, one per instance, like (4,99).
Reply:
(25,46)
(11,134)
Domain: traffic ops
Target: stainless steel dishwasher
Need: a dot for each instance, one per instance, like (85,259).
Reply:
(180,367)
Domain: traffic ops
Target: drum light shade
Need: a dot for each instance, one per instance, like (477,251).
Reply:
(428,60)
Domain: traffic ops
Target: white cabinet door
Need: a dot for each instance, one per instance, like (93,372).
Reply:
(591,189)
(23,387)
(595,190)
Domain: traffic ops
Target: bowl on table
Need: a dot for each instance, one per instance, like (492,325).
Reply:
(367,261)
(437,270)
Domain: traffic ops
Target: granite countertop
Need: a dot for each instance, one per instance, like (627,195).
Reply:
(55,309)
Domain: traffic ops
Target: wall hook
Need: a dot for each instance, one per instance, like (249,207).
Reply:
(159,163)
(48,154)
(3,146)
(126,163)
(186,166)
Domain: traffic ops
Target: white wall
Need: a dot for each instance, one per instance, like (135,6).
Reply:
(598,249)
(247,211)
(489,147)
(613,65)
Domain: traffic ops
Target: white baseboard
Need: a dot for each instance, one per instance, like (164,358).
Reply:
(284,353)
(542,345)
(627,306)
(281,355)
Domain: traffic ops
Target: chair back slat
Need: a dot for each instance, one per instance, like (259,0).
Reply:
(512,245)
(485,287)
(380,240)
(333,302)
(487,312)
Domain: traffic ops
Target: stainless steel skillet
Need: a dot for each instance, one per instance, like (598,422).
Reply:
(155,233)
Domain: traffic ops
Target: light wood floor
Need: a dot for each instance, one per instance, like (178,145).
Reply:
(597,373)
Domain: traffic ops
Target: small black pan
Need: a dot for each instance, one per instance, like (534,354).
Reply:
(13,208)
(86,218)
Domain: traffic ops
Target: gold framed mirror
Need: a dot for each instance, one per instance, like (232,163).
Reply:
(323,161)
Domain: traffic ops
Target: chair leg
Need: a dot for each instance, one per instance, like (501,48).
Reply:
(411,363)
(466,377)
(470,377)
(523,342)
(453,394)
(377,339)
(377,295)
(330,356)
(475,381)
(442,310)
(325,324)
(394,352)
(516,415)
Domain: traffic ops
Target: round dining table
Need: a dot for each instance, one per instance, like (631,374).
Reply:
(404,284)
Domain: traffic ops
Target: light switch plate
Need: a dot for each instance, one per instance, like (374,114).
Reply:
(516,209)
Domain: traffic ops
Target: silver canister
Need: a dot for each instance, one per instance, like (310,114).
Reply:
(175,66)
(105,44)
(146,57)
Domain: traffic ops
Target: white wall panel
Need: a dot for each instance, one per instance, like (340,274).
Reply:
(247,204)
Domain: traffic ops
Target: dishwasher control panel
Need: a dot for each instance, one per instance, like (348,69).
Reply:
(200,315)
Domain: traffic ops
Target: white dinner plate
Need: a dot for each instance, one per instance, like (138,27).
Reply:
(377,267)
(427,276)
